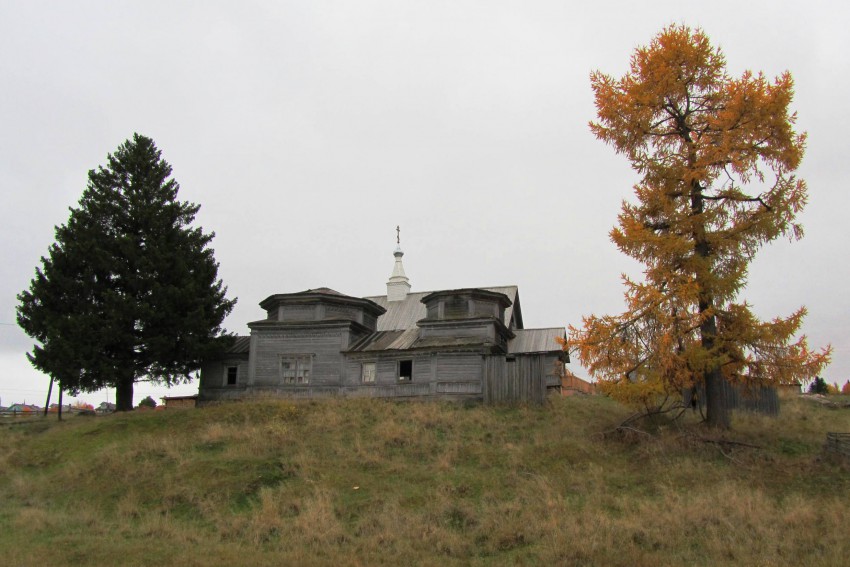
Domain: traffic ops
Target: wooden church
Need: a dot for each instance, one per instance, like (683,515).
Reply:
(465,343)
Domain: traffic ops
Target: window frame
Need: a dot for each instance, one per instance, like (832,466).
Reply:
(370,377)
(399,375)
(301,371)
(227,369)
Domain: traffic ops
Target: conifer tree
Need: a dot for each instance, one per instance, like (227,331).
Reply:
(130,290)
(717,157)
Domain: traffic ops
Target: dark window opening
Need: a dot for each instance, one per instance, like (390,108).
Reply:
(405,370)
(232,372)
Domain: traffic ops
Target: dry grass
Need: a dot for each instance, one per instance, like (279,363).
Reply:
(365,482)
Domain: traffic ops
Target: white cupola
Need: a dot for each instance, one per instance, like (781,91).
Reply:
(398,285)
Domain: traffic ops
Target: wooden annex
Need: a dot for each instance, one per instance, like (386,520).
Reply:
(465,343)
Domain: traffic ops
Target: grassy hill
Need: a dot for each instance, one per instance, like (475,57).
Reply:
(365,482)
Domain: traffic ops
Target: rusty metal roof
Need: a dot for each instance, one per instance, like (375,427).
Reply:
(536,340)
(404,314)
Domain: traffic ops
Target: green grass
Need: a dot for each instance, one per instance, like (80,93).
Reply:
(364,482)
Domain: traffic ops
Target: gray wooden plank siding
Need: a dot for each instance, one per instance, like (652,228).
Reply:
(388,391)
(452,355)
(522,380)
(422,368)
(353,372)
(214,374)
(386,372)
(297,313)
(325,347)
(459,367)
(473,387)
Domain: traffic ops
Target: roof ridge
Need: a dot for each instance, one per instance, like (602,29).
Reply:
(448,289)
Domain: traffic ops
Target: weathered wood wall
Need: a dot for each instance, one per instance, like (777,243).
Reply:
(322,345)
(522,380)
(760,399)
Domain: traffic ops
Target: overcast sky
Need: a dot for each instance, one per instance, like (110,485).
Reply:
(308,130)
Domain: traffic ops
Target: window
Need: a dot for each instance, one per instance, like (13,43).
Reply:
(405,370)
(232,374)
(296,369)
(456,307)
(368,372)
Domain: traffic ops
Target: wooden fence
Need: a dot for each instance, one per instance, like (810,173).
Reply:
(759,399)
(838,443)
(521,380)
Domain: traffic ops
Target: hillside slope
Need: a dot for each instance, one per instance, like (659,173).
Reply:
(364,482)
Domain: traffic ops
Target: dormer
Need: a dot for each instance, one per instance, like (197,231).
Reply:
(470,303)
(319,306)
(466,314)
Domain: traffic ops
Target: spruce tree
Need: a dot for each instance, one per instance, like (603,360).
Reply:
(130,290)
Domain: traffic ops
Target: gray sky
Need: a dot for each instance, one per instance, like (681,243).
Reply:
(308,130)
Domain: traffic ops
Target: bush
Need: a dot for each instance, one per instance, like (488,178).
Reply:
(818,386)
(148,402)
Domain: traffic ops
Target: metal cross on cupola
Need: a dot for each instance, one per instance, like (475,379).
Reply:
(398,286)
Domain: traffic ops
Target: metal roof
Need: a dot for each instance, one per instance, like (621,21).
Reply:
(535,340)
(319,295)
(410,339)
(404,314)
(526,341)
(240,345)
(325,291)
(387,340)
(397,329)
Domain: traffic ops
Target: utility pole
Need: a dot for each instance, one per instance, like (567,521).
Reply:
(49,390)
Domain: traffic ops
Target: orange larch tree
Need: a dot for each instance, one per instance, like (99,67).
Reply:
(717,156)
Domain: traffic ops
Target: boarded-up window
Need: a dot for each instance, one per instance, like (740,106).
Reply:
(485,309)
(232,374)
(456,308)
(405,370)
(369,372)
(296,369)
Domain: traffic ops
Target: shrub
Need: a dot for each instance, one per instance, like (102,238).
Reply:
(148,402)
